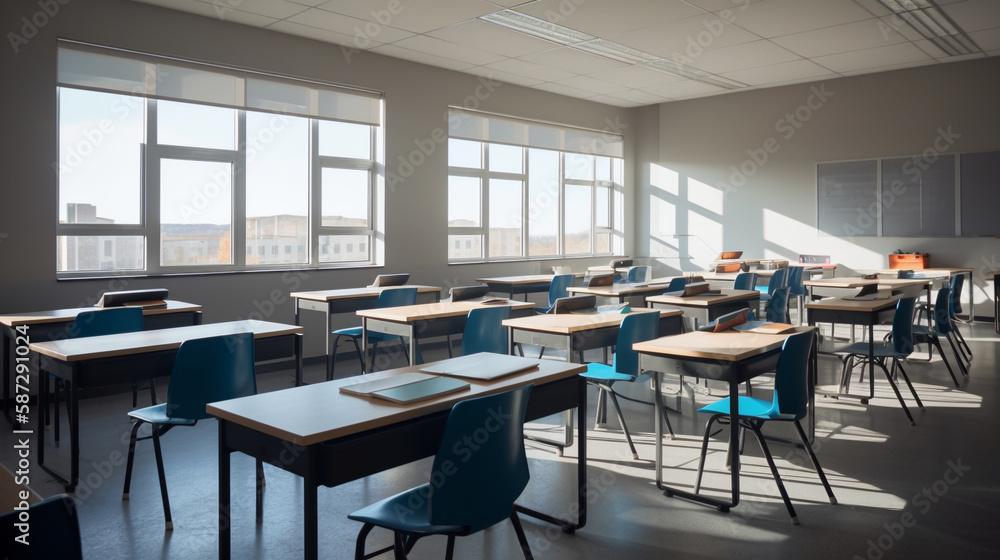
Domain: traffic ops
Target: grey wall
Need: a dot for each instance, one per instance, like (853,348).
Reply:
(769,209)
(417,97)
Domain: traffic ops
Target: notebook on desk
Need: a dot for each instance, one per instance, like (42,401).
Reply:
(695,289)
(764,327)
(366,388)
(484,366)
(422,390)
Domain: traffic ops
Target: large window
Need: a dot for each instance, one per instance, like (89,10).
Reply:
(522,190)
(168,166)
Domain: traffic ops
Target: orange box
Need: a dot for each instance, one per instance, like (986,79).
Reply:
(909,261)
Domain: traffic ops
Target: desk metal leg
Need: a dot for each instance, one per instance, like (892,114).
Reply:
(297,348)
(364,346)
(6,377)
(330,357)
(225,517)
(310,503)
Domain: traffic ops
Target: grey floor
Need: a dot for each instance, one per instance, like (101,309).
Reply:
(924,491)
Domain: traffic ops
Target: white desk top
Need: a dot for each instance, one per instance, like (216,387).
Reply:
(68,315)
(438,310)
(568,323)
(727,296)
(730,346)
(367,291)
(89,348)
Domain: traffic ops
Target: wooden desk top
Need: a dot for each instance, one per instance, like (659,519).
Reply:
(568,323)
(68,315)
(320,412)
(729,346)
(929,272)
(727,296)
(858,282)
(840,304)
(367,291)
(438,310)
(616,290)
(93,347)
(523,279)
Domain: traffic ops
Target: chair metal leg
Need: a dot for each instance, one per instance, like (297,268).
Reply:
(958,357)
(961,339)
(936,341)
(449,552)
(55,412)
(135,394)
(359,546)
(755,427)
(152,391)
(906,378)
(333,358)
(163,478)
(521,539)
(666,420)
(704,451)
(260,491)
(398,551)
(621,419)
(131,458)
(898,396)
(815,461)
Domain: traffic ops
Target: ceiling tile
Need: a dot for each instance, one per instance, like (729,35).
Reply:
(454,51)
(885,68)
(974,15)
(423,58)
(530,69)
(771,18)
(504,77)
(719,5)
(901,53)
(572,60)
(686,38)
(362,32)
(418,17)
(635,76)
(222,13)
(613,101)
(309,2)
(638,96)
(987,40)
(608,18)
(778,73)
(563,89)
(493,38)
(278,9)
(746,55)
(819,78)
(847,37)
(312,33)
(681,89)
(591,84)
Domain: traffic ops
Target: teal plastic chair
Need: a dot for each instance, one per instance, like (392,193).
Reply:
(797,288)
(55,531)
(745,281)
(789,404)
(901,346)
(484,331)
(677,284)
(557,289)
(777,305)
(636,327)
(392,297)
(636,274)
(956,284)
(206,370)
(478,489)
(778,280)
(922,334)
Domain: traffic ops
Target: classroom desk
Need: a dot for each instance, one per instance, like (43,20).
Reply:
(732,357)
(349,300)
(425,320)
(947,274)
(510,286)
(49,325)
(329,438)
(120,358)
(635,293)
(707,307)
(866,313)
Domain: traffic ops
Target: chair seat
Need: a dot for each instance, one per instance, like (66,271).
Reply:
(748,407)
(157,414)
(355,332)
(881,351)
(604,372)
(406,512)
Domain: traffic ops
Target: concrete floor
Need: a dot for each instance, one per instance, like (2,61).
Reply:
(929,491)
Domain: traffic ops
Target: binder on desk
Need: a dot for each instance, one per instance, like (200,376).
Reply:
(422,390)
(764,327)
(484,366)
(366,388)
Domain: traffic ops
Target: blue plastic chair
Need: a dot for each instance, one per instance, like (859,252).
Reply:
(55,531)
(557,289)
(636,274)
(778,280)
(956,283)
(677,284)
(797,288)
(777,305)
(391,297)
(745,281)
(478,486)
(636,327)
(789,404)
(206,370)
(901,347)
(484,331)
(922,334)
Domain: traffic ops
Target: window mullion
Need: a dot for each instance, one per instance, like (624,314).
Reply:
(151,181)
(238,240)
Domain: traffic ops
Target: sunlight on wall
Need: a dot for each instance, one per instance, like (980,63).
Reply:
(664,179)
(705,242)
(706,196)
(789,237)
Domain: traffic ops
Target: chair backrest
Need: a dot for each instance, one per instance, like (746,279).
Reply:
(637,274)
(778,280)
(791,379)
(957,282)
(557,288)
(620,263)
(795,283)
(480,467)
(902,326)
(942,311)
(777,307)
(397,297)
(601,280)
(461,293)
(397,279)
(55,531)
(635,327)
(574,303)
(210,369)
(677,284)
(745,281)
(115,320)
(483,331)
